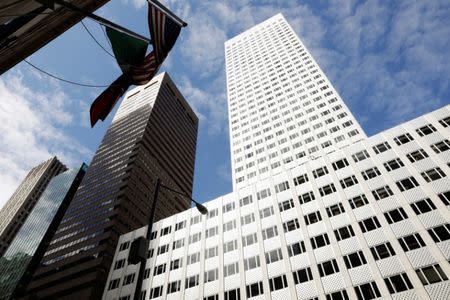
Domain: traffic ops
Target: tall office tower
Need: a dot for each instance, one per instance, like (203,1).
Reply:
(28,247)
(153,134)
(362,218)
(283,109)
(16,210)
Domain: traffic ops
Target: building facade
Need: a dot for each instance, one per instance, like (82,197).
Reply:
(153,135)
(321,212)
(28,247)
(16,210)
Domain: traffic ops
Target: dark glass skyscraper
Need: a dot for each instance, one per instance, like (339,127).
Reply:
(19,205)
(153,135)
(30,242)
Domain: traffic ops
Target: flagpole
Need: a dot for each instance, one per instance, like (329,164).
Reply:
(170,14)
(101,20)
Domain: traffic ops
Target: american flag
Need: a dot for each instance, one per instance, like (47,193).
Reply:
(164,33)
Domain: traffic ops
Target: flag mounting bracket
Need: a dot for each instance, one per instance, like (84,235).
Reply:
(96,18)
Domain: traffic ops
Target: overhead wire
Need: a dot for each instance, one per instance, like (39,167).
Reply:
(95,40)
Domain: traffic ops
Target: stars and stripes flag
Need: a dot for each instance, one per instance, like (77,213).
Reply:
(137,69)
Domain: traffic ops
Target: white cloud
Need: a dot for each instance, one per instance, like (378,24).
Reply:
(31,122)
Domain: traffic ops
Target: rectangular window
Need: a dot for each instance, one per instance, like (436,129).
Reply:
(254,289)
(296,248)
(114,284)
(252,262)
(313,217)
(231,269)
(445,122)
(340,164)
(403,139)
(277,283)
(191,281)
(441,146)
(180,225)
(411,242)
(398,283)
(417,155)
(344,233)
(213,213)
(211,275)
(354,260)
(211,252)
(291,225)
(249,239)
(367,291)
(230,225)
(178,244)
(301,179)
(267,212)
(382,193)
(233,294)
(320,172)
(166,230)
(245,201)
(196,219)
(328,268)
(423,206)
(358,201)
(361,155)
(369,224)
(247,219)
(393,164)
(326,190)
(431,274)
(395,215)
(307,197)
(380,148)
(156,292)
(426,130)
(193,258)
(173,287)
(335,210)
(124,246)
(348,182)
(228,207)
(433,174)
(176,264)
(269,232)
(263,194)
(382,251)
(230,246)
(440,233)
(407,184)
(273,256)
(193,238)
(119,264)
(339,295)
(282,187)
(445,197)
(163,249)
(302,275)
(370,173)
(320,241)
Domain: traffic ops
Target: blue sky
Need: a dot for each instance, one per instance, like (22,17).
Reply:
(387,59)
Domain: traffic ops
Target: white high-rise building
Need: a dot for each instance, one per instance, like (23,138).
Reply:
(318,210)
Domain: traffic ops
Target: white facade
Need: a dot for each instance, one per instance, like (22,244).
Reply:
(361,218)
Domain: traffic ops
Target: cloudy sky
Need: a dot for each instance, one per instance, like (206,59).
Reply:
(387,59)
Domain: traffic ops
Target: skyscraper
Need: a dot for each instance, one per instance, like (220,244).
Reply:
(153,135)
(16,210)
(319,210)
(28,247)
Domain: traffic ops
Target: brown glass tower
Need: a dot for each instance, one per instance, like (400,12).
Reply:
(153,135)
(19,206)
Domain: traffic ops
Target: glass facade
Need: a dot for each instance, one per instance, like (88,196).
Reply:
(37,228)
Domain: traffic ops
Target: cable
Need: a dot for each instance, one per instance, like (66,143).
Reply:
(92,36)
(64,80)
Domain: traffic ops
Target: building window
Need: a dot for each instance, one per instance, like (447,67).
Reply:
(266,212)
(159,269)
(173,286)
(282,187)
(291,225)
(344,233)
(229,246)
(119,264)
(166,230)
(367,291)
(354,260)
(193,258)
(301,179)
(445,197)
(229,225)
(382,251)
(247,219)
(178,244)
(320,172)
(228,207)
(393,164)
(231,269)
(382,192)
(403,139)
(335,210)
(423,206)
(211,252)
(445,122)
(191,281)
(440,233)
(313,217)
(193,238)
(398,283)
(252,262)
(328,267)
(370,173)
(176,264)
(269,232)
(320,241)
(296,248)
(358,201)
(340,295)
(163,249)
(395,215)
(369,224)
(407,184)
(431,274)
(263,194)
(426,130)
(124,246)
(380,148)
(211,275)
(245,201)
(361,155)
(212,297)
(285,205)
(302,275)
(348,182)
(213,213)
(180,225)
(156,292)
(249,239)
(277,283)
(233,294)
(441,146)
(196,219)
(326,190)
(254,289)
(114,284)
(340,164)
(411,242)
(433,174)
(417,155)
(273,256)
(307,197)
